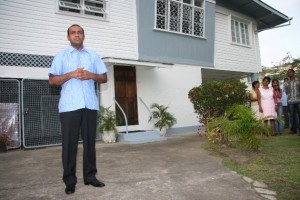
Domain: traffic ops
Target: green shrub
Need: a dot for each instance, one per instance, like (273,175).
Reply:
(107,119)
(161,116)
(237,127)
(212,98)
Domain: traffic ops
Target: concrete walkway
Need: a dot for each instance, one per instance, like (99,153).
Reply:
(175,169)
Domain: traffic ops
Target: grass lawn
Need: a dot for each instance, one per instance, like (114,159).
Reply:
(277,164)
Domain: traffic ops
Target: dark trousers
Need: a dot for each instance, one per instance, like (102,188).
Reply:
(285,111)
(294,116)
(72,124)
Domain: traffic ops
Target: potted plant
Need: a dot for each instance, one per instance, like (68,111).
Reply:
(4,141)
(162,118)
(107,124)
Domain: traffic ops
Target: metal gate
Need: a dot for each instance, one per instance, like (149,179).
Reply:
(10,111)
(41,124)
(29,113)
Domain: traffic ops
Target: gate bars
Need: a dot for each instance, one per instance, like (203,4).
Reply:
(10,111)
(29,113)
(40,119)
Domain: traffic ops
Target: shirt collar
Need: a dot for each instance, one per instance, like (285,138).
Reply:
(72,49)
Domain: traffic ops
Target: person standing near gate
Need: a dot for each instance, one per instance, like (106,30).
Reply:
(76,69)
(285,106)
(292,89)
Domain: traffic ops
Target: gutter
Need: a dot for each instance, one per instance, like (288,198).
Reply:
(289,20)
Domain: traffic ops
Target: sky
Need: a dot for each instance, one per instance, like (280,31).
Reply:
(276,44)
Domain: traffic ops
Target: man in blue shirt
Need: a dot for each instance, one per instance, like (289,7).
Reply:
(76,69)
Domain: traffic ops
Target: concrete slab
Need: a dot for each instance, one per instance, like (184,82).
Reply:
(177,169)
(259,184)
(140,137)
(269,197)
(247,179)
(265,191)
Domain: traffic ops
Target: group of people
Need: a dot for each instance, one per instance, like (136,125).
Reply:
(271,102)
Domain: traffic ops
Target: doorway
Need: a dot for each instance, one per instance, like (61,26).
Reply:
(126,94)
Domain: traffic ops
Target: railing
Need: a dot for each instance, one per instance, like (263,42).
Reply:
(150,113)
(126,123)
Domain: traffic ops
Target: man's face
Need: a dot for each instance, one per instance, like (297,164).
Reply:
(76,36)
(290,73)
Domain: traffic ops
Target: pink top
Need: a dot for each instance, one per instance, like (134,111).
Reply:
(277,96)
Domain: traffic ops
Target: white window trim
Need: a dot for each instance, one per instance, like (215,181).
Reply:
(175,32)
(84,8)
(249,26)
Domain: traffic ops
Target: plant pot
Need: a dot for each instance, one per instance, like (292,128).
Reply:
(3,149)
(163,131)
(109,136)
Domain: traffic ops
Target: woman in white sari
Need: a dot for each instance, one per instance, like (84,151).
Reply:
(254,97)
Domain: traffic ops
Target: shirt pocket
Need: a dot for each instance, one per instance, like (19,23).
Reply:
(70,63)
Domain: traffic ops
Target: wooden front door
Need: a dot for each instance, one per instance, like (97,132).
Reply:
(125,93)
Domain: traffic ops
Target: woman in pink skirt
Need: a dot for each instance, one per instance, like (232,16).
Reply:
(267,104)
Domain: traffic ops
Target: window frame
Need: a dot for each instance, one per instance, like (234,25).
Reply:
(169,22)
(240,31)
(83,8)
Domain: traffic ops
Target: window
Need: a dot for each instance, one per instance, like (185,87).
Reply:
(181,16)
(95,8)
(239,32)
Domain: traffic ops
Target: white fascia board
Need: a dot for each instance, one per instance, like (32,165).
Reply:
(24,72)
(211,1)
(129,62)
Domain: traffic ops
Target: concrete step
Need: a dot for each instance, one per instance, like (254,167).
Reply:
(139,137)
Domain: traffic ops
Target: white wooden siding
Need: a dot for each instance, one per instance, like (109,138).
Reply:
(232,57)
(34,27)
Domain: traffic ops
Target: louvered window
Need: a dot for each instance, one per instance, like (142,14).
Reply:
(94,8)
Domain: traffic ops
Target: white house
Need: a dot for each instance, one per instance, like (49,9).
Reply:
(155,50)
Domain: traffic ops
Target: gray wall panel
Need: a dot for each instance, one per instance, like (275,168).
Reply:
(166,47)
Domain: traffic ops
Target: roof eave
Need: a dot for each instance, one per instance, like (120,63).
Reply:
(274,11)
(263,23)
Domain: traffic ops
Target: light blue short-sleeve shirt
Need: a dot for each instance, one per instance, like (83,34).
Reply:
(76,94)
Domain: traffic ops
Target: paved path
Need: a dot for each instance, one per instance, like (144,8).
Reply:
(175,169)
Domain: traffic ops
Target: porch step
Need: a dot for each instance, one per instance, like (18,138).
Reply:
(138,137)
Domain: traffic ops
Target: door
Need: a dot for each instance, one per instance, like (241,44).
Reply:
(126,94)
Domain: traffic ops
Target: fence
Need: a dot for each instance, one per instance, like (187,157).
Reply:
(29,113)
(40,121)
(10,111)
